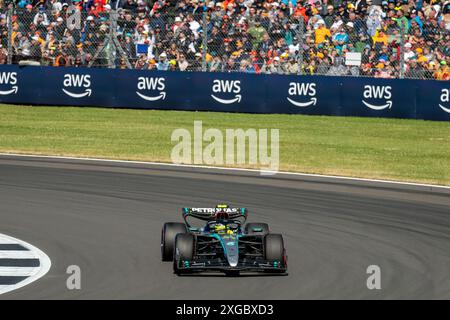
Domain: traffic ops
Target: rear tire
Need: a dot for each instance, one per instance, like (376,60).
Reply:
(184,251)
(263,228)
(168,234)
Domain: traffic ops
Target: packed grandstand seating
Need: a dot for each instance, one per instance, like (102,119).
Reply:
(388,39)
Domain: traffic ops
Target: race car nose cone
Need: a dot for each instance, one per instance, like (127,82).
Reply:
(232,253)
(232,263)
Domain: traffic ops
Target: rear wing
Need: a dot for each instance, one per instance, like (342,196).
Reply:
(209,214)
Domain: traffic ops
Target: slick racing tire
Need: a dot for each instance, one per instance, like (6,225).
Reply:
(256,228)
(184,251)
(168,234)
(274,247)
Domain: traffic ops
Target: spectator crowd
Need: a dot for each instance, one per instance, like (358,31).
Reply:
(377,38)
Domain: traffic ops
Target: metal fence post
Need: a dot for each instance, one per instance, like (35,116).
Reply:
(112,29)
(10,32)
(205,41)
(300,36)
(401,74)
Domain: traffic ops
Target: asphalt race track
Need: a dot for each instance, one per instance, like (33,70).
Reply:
(106,218)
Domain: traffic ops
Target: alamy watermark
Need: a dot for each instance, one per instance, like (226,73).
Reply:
(374,279)
(73,18)
(228,147)
(73,282)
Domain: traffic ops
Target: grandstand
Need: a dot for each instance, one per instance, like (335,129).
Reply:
(384,39)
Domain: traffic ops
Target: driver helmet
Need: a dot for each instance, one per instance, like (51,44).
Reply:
(219,227)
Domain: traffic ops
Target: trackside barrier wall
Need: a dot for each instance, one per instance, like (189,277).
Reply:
(230,92)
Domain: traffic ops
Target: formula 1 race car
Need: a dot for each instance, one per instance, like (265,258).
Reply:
(223,244)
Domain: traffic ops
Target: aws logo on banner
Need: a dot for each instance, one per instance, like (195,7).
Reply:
(152,84)
(379,93)
(302,90)
(77,81)
(445,98)
(9,78)
(227,86)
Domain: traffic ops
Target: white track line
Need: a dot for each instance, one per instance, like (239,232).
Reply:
(18,271)
(12,254)
(7,241)
(40,271)
(227,169)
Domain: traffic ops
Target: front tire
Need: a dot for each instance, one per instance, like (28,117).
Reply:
(184,251)
(274,247)
(168,234)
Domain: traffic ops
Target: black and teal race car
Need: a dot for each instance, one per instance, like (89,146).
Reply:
(225,243)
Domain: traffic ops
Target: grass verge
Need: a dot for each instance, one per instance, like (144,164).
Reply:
(393,149)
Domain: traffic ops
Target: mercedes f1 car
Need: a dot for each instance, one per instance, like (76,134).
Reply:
(225,243)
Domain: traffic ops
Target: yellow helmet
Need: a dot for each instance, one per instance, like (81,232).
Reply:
(219,227)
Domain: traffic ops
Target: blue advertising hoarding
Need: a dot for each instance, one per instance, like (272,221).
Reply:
(433,100)
(227,92)
(303,95)
(371,97)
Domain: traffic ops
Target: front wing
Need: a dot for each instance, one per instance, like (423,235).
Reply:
(244,265)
